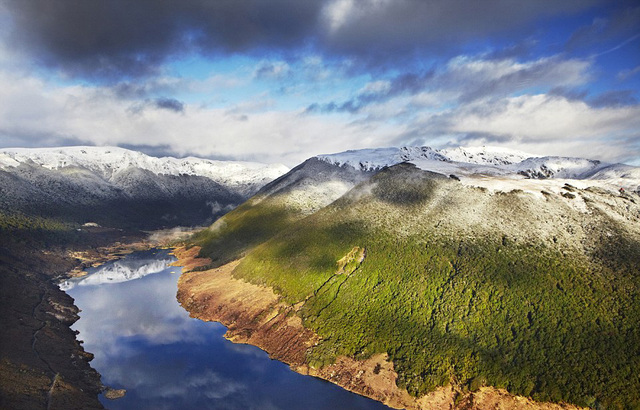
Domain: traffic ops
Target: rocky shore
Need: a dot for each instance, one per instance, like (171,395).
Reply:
(42,364)
(256,315)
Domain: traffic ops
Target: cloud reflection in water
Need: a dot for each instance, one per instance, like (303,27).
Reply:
(145,342)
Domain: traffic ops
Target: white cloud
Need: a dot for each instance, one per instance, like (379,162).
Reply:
(29,107)
(478,78)
(550,125)
(469,97)
(544,117)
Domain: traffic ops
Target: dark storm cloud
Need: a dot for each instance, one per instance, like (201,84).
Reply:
(111,39)
(170,104)
(624,22)
(403,27)
(105,39)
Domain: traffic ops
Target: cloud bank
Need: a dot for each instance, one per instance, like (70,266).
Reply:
(284,80)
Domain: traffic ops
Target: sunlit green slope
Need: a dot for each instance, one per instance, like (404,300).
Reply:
(535,292)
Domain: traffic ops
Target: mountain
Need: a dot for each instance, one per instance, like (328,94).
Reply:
(119,187)
(503,162)
(465,267)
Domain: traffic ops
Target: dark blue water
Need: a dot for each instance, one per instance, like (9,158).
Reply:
(146,343)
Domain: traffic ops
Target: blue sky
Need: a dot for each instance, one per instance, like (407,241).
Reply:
(283,80)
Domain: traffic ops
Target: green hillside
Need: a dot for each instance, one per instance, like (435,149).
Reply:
(458,284)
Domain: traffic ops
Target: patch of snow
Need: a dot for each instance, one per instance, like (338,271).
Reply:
(310,198)
(372,159)
(486,155)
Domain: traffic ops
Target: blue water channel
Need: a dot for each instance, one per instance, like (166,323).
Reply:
(146,343)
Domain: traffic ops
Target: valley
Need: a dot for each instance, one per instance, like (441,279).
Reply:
(64,210)
(403,275)
(320,205)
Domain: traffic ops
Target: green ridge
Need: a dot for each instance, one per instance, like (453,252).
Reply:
(536,318)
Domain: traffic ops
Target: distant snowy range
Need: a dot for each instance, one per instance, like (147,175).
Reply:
(123,188)
(117,187)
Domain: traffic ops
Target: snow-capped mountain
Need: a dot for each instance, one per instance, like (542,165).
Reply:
(119,187)
(490,161)
(109,162)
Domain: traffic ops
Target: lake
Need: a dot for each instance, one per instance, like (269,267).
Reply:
(146,343)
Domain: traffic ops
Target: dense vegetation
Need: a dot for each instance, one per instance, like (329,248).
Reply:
(536,318)
(241,229)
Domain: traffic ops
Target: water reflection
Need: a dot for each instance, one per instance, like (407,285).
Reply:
(135,266)
(145,342)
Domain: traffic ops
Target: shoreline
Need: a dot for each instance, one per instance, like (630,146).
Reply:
(256,315)
(42,362)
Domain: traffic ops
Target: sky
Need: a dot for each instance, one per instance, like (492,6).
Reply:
(284,80)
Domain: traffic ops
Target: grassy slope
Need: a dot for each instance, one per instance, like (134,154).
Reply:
(459,286)
(242,229)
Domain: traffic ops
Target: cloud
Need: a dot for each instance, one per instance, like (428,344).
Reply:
(170,104)
(379,28)
(622,23)
(625,74)
(614,98)
(550,125)
(465,79)
(543,117)
(479,78)
(251,130)
(272,70)
(468,100)
(120,38)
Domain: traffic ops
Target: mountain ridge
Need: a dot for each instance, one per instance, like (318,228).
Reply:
(123,188)
(475,274)
(243,176)
(493,161)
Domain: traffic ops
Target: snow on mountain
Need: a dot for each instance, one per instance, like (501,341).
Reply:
(376,158)
(486,155)
(108,162)
(490,161)
(121,188)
